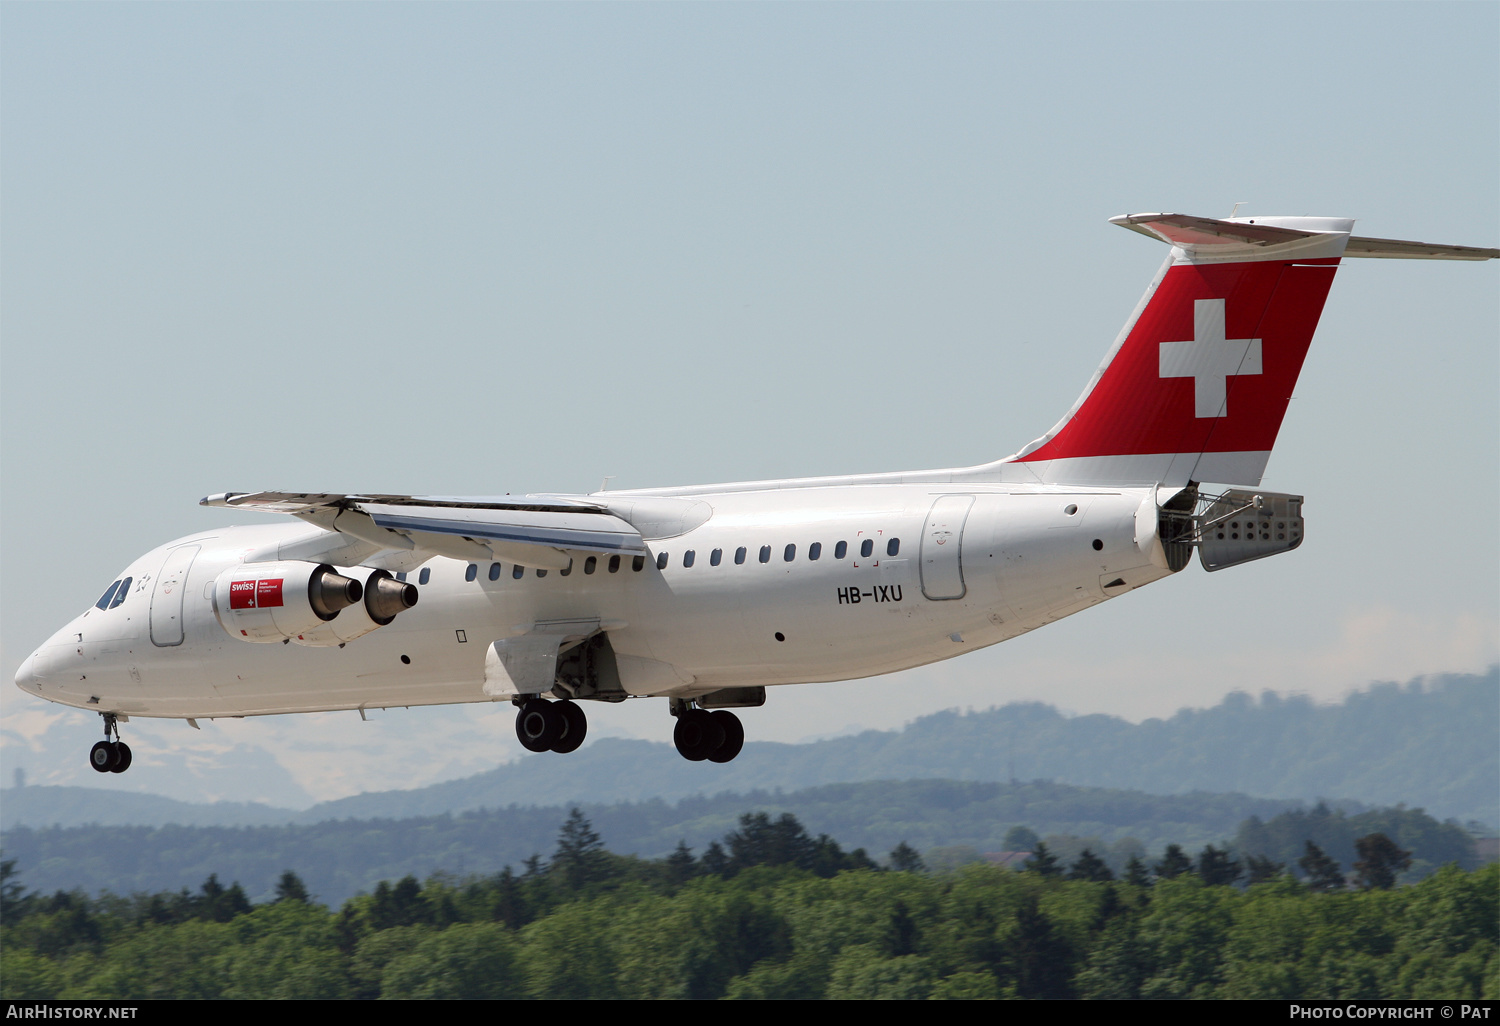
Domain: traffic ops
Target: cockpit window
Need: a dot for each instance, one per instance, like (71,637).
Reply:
(103,602)
(121,593)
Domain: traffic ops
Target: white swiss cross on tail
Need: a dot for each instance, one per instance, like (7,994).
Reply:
(1209,359)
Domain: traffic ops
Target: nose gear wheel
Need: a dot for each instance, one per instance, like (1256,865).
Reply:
(110,756)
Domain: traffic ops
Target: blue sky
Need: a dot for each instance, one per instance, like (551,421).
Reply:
(472,248)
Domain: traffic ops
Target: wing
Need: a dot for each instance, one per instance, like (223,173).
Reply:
(529,530)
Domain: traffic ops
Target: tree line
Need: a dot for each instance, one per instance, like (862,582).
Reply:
(772,911)
(950,821)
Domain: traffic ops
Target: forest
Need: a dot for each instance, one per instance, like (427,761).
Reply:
(772,911)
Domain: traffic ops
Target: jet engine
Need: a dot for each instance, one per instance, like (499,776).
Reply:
(265,602)
(384,597)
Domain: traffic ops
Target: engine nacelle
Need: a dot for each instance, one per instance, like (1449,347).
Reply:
(384,597)
(265,602)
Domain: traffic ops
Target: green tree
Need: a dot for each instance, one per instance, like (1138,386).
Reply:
(401,905)
(681,866)
(465,961)
(291,888)
(13,900)
(1090,867)
(1039,956)
(762,842)
(906,859)
(1322,872)
(1043,862)
(1173,863)
(1261,869)
(219,903)
(715,861)
(580,858)
(1379,862)
(1216,867)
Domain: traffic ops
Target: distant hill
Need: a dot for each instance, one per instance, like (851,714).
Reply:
(77,806)
(338,858)
(1432,744)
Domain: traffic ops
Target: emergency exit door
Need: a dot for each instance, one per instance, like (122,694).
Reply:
(942,548)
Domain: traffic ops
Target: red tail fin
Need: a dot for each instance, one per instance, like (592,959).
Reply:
(1196,386)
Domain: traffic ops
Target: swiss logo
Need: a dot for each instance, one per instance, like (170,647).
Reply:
(1209,359)
(255,594)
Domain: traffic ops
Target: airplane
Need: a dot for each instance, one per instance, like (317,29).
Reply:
(706,595)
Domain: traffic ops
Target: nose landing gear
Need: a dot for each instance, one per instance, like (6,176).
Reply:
(543,726)
(713,736)
(110,756)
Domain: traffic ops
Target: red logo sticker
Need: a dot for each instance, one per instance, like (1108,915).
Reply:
(268,593)
(241,594)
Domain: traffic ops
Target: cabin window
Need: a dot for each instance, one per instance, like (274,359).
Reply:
(494,571)
(893,546)
(614,564)
(814,551)
(715,557)
(425,575)
(661,561)
(471,571)
(866,547)
(840,550)
(401,576)
(739,555)
(765,553)
(103,602)
(540,572)
(590,564)
(789,553)
(565,571)
(637,563)
(517,571)
(688,557)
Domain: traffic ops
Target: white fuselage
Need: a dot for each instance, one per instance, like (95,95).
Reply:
(964,574)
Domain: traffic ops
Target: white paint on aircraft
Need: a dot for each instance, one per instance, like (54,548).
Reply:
(707,594)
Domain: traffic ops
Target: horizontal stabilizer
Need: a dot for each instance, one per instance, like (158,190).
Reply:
(1402,250)
(1186,230)
(1195,232)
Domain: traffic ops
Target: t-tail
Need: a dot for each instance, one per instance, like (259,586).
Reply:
(1196,385)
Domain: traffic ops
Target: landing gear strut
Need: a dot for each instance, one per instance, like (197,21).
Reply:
(713,736)
(110,756)
(543,726)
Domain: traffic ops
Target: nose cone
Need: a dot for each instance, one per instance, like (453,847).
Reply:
(27,677)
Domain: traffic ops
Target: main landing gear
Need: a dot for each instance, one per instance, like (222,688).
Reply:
(715,736)
(110,756)
(543,726)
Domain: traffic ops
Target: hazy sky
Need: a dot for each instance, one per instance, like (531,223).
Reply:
(475,248)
